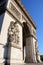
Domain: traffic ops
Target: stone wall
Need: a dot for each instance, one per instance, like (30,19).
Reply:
(16,51)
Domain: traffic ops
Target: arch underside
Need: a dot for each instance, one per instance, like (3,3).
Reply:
(26,33)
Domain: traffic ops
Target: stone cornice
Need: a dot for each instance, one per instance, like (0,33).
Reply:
(14,46)
(32,36)
(25,12)
(10,13)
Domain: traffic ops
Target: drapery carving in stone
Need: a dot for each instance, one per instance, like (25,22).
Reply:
(13,33)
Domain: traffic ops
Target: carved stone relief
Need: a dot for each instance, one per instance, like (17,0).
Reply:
(13,33)
(14,10)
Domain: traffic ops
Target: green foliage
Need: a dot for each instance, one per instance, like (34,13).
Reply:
(41,57)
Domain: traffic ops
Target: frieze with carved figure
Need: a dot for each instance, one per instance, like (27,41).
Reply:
(13,33)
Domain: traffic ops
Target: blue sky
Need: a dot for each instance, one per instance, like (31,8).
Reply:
(35,9)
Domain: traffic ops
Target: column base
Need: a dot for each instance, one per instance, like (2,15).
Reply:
(28,60)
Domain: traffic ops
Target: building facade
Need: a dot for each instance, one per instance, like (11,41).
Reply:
(17,30)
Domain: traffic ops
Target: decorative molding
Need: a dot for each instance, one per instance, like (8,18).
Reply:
(1,44)
(25,12)
(13,16)
(34,33)
(14,10)
(29,26)
(32,36)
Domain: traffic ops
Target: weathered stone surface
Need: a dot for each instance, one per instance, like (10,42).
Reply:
(17,31)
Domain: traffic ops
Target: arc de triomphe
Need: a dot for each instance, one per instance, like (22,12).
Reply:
(17,30)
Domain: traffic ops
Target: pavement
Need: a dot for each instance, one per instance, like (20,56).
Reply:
(25,64)
(28,64)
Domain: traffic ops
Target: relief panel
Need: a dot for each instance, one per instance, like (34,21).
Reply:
(14,10)
(13,34)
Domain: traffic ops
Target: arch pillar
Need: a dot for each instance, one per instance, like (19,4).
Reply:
(30,56)
(29,49)
(37,53)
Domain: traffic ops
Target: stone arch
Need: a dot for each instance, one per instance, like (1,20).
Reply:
(26,34)
(26,29)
